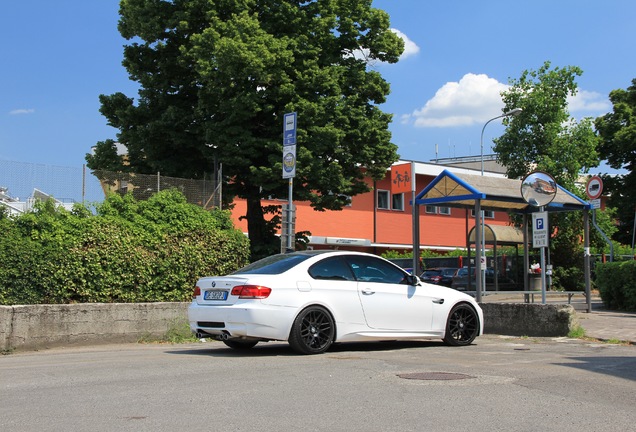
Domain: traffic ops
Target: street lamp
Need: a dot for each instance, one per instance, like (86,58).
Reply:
(482,253)
(511,113)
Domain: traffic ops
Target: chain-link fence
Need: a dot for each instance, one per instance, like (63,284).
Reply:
(65,184)
(205,193)
(22,180)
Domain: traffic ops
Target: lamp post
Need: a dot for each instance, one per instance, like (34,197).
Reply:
(482,253)
(217,170)
(511,113)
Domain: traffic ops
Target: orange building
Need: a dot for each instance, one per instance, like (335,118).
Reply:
(382,220)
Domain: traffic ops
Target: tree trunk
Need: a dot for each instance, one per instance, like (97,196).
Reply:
(260,238)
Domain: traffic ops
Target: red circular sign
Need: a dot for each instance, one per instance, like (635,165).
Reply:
(594,187)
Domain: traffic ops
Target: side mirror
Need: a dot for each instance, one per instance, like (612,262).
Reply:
(412,280)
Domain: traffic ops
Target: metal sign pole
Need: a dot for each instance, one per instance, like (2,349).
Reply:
(289,172)
(290,216)
(542,265)
(416,223)
(539,189)
(478,251)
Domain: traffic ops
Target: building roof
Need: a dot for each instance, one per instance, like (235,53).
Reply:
(455,189)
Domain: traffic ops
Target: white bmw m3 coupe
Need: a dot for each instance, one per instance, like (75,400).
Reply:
(313,299)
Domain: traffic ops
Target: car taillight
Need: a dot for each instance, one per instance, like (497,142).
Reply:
(251,291)
(197,292)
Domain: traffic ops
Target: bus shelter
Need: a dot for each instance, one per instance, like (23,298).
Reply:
(498,194)
(497,235)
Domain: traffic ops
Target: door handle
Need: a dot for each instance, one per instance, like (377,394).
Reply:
(438,301)
(367,292)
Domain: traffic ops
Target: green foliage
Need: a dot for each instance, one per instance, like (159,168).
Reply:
(424,253)
(618,146)
(216,79)
(128,252)
(105,156)
(569,277)
(396,254)
(606,221)
(577,332)
(616,284)
(544,137)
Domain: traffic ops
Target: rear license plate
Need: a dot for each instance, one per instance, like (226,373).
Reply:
(215,295)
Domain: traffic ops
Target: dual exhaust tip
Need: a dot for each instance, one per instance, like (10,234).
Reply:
(220,337)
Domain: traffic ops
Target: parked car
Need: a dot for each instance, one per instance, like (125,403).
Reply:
(460,280)
(312,299)
(407,264)
(439,275)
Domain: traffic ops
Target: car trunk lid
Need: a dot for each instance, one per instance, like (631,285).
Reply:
(217,290)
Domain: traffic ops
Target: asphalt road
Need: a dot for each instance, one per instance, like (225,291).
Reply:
(498,384)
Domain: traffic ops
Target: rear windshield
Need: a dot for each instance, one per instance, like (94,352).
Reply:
(274,264)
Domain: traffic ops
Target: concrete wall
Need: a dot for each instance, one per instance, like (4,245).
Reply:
(43,326)
(524,319)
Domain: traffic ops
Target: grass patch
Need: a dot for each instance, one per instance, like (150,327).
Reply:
(178,332)
(577,332)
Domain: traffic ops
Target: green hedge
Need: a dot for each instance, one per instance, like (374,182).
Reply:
(128,251)
(616,282)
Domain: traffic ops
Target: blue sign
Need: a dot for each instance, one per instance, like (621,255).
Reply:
(289,129)
(540,231)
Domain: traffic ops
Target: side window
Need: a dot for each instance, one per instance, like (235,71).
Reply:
(331,269)
(370,269)
(488,214)
(383,199)
(398,201)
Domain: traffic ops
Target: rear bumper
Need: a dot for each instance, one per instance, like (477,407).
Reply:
(253,321)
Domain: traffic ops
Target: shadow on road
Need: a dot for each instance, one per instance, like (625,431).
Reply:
(278,349)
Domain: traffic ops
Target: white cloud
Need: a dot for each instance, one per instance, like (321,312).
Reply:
(21,111)
(477,98)
(474,99)
(589,101)
(410,47)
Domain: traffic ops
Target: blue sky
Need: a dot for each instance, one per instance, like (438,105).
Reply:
(59,56)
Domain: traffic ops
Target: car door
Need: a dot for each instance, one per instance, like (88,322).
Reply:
(388,302)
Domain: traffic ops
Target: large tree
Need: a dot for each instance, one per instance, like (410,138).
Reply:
(217,76)
(617,130)
(545,138)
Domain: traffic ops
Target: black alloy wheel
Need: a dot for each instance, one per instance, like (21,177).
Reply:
(462,326)
(313,331)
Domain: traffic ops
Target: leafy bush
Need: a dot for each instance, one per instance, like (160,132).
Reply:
(129,251)
(616,282)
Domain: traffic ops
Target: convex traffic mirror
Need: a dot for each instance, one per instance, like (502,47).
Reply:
(538,188)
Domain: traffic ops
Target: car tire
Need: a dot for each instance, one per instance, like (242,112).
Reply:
(313,331)
(462,325)
(238,344)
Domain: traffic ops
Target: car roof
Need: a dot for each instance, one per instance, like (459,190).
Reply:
(330,252)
